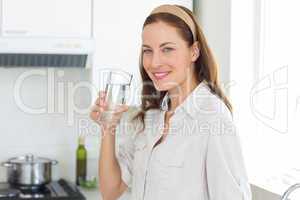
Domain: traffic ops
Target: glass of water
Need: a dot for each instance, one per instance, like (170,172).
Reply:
(116,90)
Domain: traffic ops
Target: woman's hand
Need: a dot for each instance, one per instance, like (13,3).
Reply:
(101,106)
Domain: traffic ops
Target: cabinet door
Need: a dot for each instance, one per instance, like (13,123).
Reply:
(47,18)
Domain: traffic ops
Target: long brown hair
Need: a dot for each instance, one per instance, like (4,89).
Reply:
(206,67)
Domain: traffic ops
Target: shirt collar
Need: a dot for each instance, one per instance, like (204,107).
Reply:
(193,102)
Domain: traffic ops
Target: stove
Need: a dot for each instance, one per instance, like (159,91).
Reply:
(59,190)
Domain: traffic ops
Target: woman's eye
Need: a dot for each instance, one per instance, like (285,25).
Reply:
(167,49)
(147,51)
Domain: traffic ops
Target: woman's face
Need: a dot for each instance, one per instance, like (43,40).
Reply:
(167,58)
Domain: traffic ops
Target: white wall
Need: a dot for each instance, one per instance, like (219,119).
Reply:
(51,134)
(214,17)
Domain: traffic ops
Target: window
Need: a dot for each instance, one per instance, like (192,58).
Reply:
(265,71)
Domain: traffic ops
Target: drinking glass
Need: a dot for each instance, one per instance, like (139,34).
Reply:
(116,90)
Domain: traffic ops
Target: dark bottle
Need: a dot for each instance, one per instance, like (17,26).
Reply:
(81,161)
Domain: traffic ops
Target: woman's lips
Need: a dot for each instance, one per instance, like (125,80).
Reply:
(160,75)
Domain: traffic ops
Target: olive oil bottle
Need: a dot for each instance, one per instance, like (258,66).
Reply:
(81,160)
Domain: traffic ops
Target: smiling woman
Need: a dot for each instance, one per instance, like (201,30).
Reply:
(165,54)
(183,142)
(175,55)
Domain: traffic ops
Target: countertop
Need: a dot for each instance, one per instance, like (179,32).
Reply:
(94,194)
(91,194)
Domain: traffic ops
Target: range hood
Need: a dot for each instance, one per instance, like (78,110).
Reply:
(47,33)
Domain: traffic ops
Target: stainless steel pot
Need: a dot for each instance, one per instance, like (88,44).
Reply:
(29,170)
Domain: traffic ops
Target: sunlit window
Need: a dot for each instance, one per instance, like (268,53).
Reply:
(266,75)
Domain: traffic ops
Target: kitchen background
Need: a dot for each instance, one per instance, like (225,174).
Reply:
(233,31)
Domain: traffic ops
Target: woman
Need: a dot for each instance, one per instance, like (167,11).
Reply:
(184,144)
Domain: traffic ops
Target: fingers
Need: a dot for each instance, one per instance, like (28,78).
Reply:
(94,115)
(96,108)
(101,99)
(121,109)
(102,93)
(95,112)
(101,107)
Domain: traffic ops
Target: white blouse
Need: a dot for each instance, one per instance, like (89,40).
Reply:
(200,158)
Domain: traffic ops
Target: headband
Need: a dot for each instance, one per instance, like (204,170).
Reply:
(179,12)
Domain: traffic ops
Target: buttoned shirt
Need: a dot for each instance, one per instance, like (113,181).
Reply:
(199,159)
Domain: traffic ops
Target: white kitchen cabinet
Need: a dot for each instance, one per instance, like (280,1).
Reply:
(46,18)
